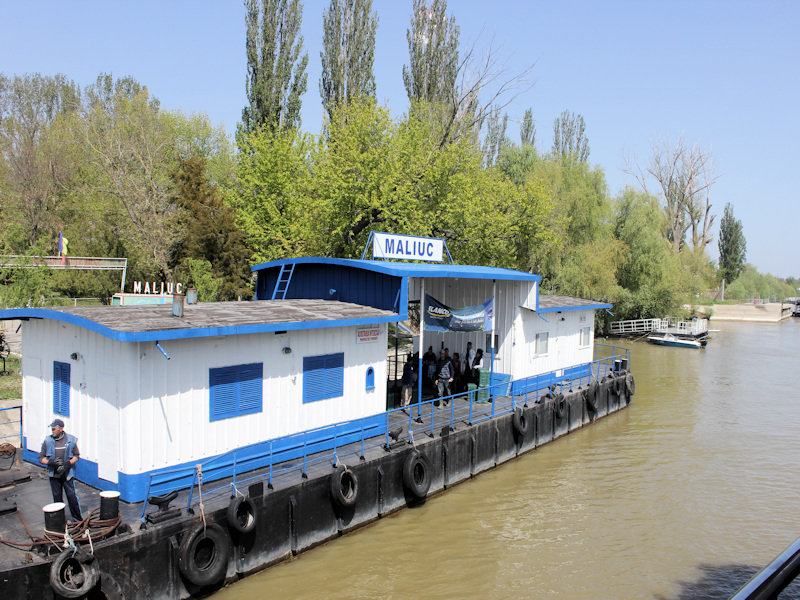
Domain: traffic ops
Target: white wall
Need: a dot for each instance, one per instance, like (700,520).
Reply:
(133,410)
(564,349)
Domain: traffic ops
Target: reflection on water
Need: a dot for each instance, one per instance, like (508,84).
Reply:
(686,494)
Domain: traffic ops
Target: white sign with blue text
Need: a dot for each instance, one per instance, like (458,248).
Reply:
(391,245)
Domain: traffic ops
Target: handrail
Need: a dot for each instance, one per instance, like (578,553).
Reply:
(502,402)
(772,579)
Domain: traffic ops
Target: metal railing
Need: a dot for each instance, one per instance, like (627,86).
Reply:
(4,425)
(772,579)
(260,461)
(635,326)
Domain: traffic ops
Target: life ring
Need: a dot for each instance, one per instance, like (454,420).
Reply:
(591,396)
(204,554)
(519,422)
(73,574)
(560,406)
(242,514)
(107,588)
(417,474)
(344,486)
(630,384)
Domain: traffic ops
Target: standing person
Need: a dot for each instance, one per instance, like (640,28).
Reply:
(429,365)
(469,356)
(407,382)
(457,373)
(477,363)
(444,377)
(60,453)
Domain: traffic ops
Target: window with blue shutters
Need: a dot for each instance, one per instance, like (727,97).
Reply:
(323,377)
(61,388)
(235,391)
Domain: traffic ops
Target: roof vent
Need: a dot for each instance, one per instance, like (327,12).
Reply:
(177,305)
(191,296)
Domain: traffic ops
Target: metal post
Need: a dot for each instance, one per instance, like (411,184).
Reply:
(422,309)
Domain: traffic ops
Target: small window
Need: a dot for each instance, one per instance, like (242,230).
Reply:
(541,343)
(323,377)
(235,391)
(585,334)
(370,378)
(61,374)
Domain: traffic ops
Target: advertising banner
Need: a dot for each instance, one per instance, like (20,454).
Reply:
(406,247)
(439,317)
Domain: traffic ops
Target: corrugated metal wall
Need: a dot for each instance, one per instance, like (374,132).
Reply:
(314,281)
(129,396)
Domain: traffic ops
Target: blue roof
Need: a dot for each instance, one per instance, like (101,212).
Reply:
(406,269)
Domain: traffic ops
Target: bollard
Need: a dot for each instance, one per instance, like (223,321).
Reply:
(109,505)
(55,519)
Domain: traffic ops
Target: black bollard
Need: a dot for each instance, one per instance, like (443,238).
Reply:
(109,505)
(55,519)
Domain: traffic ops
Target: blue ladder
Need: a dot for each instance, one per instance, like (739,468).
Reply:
(282,285)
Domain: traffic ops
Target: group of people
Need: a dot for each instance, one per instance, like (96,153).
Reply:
(447,375)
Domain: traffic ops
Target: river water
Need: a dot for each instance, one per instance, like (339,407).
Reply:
(685,494)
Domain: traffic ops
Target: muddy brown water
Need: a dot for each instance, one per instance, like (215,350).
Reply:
(685,494)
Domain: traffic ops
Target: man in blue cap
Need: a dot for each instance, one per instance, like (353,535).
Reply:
(60,453)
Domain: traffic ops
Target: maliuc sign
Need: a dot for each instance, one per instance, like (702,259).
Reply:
(439,317)
(152,287)
(392,245)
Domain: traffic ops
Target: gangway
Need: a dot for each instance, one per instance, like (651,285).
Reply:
(693,327)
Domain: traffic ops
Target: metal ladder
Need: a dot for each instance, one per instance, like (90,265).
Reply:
(282,285)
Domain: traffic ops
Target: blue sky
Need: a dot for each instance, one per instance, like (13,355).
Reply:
(724,74)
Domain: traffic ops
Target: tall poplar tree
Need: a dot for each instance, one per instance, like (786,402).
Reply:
(276,71)
(348,53)
(569,137)
(732,246)
(433,50)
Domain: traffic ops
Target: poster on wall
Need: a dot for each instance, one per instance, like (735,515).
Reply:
(439,317)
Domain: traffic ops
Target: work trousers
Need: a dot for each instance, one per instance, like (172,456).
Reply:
(58,485)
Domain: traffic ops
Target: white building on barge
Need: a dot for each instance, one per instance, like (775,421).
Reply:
(146,392)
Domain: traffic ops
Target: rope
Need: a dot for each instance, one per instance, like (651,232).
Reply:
(7,450)
(76,533)
(200,488)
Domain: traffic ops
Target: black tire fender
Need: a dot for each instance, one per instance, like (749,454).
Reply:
(73,574)
(344,486)
(204,555)
(242,516)
(630,384)
(520,422)
(591,396)
(560,406)
(417,474)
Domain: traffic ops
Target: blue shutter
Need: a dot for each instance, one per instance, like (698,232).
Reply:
(61,383)
(323,377)
(251,378)
(235,391)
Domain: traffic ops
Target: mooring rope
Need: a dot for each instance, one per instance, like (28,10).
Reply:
(200,489)
(76,532)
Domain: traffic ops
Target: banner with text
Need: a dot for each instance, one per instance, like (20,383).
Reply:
(439,317)
(392,245)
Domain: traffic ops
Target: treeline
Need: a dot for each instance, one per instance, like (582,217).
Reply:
(121,176)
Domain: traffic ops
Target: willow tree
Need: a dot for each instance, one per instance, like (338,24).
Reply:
(348,53)
(276,70)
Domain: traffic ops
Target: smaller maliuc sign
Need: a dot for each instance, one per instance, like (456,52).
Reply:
(439,317)
(406,247)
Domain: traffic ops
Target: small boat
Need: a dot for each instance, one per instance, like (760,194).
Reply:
(667,339)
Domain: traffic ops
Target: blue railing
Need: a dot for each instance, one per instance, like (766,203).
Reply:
(13,435)
(322,444)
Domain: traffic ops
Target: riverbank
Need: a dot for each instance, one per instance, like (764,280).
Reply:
(774,312)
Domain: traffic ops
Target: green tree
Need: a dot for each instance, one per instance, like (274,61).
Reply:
(348,54)
(276,71)
(569,138)
(276,211)
(36,153)
(209,233)
(527,131)
(732,245)
(433,51)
